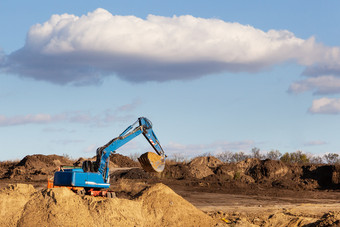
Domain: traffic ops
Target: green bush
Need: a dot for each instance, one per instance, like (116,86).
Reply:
(295,157)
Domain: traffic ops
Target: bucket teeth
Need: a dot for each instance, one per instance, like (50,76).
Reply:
(152,162)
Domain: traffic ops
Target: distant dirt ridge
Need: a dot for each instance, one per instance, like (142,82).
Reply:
(39,167)
(270,173)
(201,170)
(36,167)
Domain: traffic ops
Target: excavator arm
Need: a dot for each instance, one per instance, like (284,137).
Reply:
(149,161)
(94,176)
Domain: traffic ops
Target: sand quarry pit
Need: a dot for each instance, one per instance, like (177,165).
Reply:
(203,192)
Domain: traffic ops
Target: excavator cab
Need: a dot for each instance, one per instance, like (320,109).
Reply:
(152,162)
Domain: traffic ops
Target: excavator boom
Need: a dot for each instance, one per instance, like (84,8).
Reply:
(149,161)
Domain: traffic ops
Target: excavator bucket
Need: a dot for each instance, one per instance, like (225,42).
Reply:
(152,162)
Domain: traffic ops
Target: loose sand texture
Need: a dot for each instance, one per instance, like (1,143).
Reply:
(157,205)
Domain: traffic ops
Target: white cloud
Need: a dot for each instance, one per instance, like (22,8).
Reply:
(315,143)
(320,85)
(58,130)
(82,50)
(213,148)
(42,118)
(325,106)
(26,119)
(102,119)
(130,106)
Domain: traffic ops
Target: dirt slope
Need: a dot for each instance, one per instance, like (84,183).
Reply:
(155,206)
(12,202)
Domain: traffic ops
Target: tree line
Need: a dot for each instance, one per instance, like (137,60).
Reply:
(294,157)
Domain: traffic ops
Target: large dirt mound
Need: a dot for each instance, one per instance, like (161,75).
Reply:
(5,166)
(209,170)
(133,173)
(250,172)
(177,171)
(327,176)
(39,167)
(156,206)
(201,167)
(198,168)
(123,161)
(36,167)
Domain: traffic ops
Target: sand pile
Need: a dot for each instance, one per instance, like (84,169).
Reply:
(155,206)
(13,199)
(163,207)
(329,219)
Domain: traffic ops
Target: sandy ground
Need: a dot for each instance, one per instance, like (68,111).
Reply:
(260,205)
(258,209)
(245,209)
(248,203)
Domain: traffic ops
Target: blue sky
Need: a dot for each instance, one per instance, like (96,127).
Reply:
(211,76)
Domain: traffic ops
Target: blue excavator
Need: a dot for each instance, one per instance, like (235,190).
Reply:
(93,177)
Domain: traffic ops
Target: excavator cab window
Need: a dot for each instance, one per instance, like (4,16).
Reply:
(89,166)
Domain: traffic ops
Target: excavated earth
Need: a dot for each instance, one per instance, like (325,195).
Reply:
(157,205)
(203,192)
